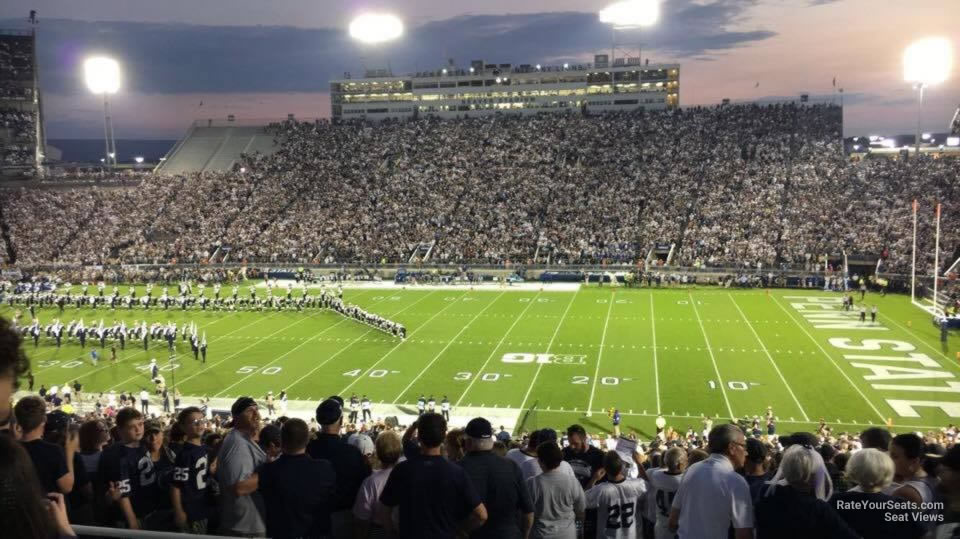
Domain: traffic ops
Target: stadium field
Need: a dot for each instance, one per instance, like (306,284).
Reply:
(552,358)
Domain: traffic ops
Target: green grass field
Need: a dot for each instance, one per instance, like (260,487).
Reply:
(677,352)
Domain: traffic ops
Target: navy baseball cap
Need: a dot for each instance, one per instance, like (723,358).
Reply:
(479,428)
(329,411)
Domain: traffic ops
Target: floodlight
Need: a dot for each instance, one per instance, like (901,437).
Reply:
(925,136)
(499,80)
(471,70)
(538,67)
(102,75)
(856,147)
(444,71)
(631,13)
(928,61)
(566,65)
(376,27)
(138,159)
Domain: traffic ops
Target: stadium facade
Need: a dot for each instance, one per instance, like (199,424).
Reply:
(485,89)
(22,139)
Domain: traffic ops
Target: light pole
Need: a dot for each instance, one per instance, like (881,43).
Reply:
(926,62)
(628,15)
(103,77)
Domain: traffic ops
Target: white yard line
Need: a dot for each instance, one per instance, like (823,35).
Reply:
(444,349)
(713,359)
(177,358)
(827,355)
(499,344)
(390,351)
(285,354)
(656,368)
(603,340)
(338,352)
(550,345)
(770,357)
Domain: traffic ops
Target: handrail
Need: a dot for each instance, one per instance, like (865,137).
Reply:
(100,531)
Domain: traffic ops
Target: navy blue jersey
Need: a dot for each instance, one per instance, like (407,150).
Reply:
(190,476)
(132,469)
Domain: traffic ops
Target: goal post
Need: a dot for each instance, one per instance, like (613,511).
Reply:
(918,296)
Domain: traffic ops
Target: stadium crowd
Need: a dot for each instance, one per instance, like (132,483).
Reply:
(745,186)
(246,475)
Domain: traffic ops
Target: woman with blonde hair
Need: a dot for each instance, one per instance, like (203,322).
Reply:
(794,503)
(389,450)
(872,472)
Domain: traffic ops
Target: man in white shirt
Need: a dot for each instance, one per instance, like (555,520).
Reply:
(616,499)
(144,402)
(712,496)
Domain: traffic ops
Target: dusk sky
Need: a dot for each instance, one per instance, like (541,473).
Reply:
(264,59)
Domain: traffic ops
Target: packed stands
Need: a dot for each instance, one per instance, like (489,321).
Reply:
(741,185)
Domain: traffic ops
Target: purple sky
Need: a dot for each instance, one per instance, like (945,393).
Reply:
(259,59)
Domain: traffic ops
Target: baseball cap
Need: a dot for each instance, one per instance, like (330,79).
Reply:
(479,428)
(362,442)
(241,404)
(329,411)
(57,420)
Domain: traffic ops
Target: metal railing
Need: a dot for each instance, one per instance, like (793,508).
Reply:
(99,531)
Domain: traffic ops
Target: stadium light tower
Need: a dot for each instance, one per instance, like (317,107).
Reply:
(926,62)
(629,15)
(103,77)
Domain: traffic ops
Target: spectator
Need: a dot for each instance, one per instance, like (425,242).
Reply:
(617,499)
(350,465)
(872,471)
(25,510)
(584,458)
(797,495)
(435,497)
(13,364)
(499,483)
(191,475)
(906,451)
(949,475)
(162,461)
(54,464)
(367,510)
(713,496)
(92,437)
(531,467)
(239,460)
(59,430)
(664,483)
(558,499)
(269,441)
(453,445)
(755,467)
(127,472)
(297,489)
(876,438)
